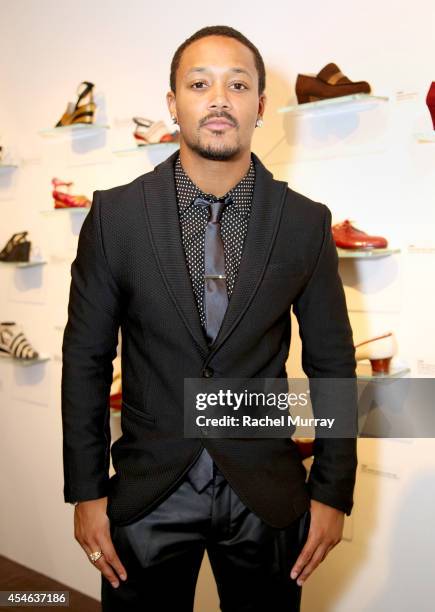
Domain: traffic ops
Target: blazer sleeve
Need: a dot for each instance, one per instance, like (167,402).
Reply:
(89,346)
(328,352)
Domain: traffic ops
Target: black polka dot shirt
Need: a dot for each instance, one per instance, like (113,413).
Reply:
(193,222)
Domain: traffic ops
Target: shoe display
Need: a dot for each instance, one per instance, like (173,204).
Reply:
(13,342)
(379,351)
(329,83)
(116,392)
(83,110)
(305,447)
(64,199)
(346,236)
(36,255)
(16,249)
(152,132)
(430,101)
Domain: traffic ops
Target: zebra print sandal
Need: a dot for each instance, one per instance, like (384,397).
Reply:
(13,342)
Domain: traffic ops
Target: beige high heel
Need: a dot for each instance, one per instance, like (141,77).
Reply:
(152,132)
(379,351)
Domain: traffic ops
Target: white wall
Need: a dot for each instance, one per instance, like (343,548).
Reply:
(366,166)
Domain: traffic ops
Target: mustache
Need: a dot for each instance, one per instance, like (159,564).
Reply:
(220,116)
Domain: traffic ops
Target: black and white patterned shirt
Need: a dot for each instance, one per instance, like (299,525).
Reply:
(193,222)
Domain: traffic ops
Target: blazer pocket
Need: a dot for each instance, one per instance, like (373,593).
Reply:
(147,416)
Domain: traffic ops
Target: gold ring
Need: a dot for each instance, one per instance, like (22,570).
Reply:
(95,556)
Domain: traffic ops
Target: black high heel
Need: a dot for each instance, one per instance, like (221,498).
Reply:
(17,248)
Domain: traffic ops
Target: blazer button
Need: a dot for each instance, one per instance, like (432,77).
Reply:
(207,372)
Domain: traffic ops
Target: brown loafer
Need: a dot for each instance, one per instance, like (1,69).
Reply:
(329,83)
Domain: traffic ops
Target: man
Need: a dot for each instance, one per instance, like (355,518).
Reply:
(199,262)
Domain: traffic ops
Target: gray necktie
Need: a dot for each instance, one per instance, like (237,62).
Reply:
(215,286)
(215,303)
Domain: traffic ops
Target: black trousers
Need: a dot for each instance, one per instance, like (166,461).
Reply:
(162,553)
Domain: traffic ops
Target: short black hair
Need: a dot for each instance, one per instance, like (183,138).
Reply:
(219,30)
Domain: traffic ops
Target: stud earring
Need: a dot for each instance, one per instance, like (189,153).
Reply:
(259,122)
(174,119)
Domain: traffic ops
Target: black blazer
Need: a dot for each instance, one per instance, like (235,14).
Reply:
(130,272)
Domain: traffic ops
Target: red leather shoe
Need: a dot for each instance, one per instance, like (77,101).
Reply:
(346,236)
(430,101)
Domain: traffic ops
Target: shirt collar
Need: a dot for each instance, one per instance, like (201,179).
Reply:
(241,194)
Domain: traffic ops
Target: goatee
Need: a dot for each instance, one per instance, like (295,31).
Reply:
(216,154)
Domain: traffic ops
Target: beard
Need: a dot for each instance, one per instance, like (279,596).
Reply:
(215,152)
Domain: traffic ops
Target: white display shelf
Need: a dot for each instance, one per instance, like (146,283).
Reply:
(142,148)
(23,264)
(364,372)
(365,253)
(82,129)
(24,362)
(426,137)
(8,168)
(76,210)
(342,104)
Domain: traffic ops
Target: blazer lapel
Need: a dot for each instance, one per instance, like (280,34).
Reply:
(165,234)
(267,201)
(166,239)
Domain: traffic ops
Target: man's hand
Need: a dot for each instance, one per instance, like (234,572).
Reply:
(92,531)
(326,530)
